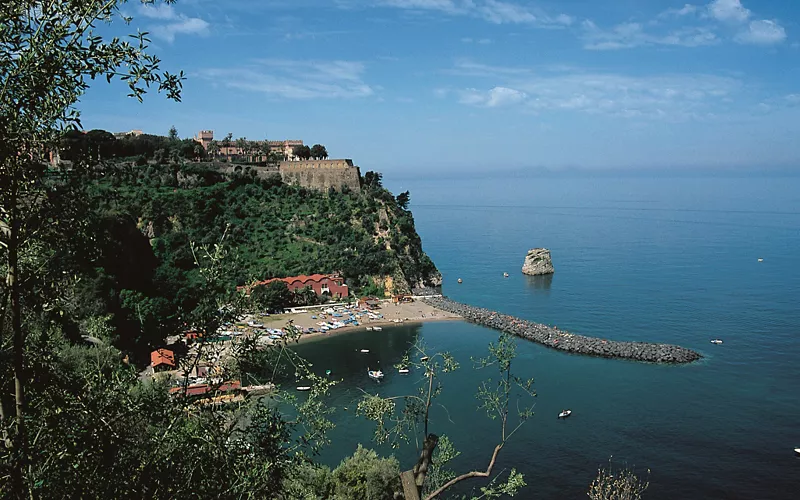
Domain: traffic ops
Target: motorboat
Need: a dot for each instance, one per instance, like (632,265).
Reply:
(459,280)
(797,451)
(716,341)
(304,388)
(375,374)
(403,370)
(364,351)
(505,275)
(424,358)
(761,260)
(377,328)
(369,328)
(565,414)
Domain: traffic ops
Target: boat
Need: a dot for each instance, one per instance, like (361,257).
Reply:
(377,328)
(364,351)
(403,370)
(565,414)
(304,388)
(375,374)
(716,341)
(369,328)
(459,280)
(328,373)
(424,358)
(797,451)
(505,275)
(761,260)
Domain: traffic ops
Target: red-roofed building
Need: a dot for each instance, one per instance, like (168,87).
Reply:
(162,359)
(330,284)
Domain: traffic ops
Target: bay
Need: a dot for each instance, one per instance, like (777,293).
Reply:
(637,258)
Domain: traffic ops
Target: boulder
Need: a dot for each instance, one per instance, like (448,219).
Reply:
(538,262)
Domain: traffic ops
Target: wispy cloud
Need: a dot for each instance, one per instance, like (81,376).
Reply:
(172,23)
(667,97)
(763,32)
(493,11)
(689,26)
(285,79)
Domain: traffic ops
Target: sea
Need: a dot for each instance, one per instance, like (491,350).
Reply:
(656,258)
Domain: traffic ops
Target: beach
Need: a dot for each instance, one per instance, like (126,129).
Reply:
(393,314)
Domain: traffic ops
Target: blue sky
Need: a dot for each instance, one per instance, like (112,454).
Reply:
(426,85)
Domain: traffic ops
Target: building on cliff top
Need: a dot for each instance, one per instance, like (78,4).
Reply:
(256,153)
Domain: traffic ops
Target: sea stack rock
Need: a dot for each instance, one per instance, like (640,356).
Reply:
(538,262)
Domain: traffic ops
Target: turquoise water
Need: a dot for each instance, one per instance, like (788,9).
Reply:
(666,260)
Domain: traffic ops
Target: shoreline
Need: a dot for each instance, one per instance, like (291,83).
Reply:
(308,337)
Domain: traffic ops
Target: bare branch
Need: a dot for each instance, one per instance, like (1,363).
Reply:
(468,475)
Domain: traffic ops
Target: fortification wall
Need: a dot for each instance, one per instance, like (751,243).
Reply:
(322,174)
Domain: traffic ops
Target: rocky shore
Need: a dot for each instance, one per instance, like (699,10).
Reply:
(565,341)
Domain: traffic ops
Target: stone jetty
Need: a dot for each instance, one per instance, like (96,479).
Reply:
(565,341)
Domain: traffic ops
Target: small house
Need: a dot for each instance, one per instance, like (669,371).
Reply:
(162,360)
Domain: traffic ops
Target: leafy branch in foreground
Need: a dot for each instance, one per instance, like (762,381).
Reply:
(429,477)
(622,484)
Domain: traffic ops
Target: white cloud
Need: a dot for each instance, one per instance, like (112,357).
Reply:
(493,98)
(729,11)
(172,23)
(686,10)
(762,32)
(630,35)
(662,97)
(493,11)
(290,79)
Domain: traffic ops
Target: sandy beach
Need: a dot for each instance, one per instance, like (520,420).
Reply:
(413,312)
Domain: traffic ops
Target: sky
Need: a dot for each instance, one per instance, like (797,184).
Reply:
(426,86)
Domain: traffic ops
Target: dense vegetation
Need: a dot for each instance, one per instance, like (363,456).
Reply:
(146,218)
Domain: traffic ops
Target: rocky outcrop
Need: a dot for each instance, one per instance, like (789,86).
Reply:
(559,339)
(538,262)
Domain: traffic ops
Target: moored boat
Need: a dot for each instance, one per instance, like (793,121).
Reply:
(565,413)
(716,341)
(403,370)
(377,328)
(375,374)
(505,275)
(797,451)
(364,351)
(304,388)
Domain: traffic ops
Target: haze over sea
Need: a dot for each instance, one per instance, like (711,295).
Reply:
(637,258)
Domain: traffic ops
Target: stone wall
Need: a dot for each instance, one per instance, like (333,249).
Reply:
(321,174)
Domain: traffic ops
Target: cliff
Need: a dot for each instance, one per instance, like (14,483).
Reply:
(538,262)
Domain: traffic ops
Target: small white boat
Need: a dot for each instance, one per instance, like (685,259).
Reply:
(375,374)
(304,388)
(377,328)
(761,260)
(364,351)
(505,275)
(459,280)
(716,341)
(565,414)
(369,328)
(403,370)
(797,451)
(424,358)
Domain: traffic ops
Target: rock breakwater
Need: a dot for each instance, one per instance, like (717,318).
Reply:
(565,341)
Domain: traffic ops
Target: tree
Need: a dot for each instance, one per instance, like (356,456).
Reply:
(274,297)
(319,152)
(403,199)
(49,51)
(395,423)
(373,180)
(302,152)
(173,134)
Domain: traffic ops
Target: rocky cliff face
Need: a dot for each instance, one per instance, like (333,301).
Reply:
(538,262)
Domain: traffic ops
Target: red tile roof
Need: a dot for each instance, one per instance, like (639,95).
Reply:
(162,357)
(292,279)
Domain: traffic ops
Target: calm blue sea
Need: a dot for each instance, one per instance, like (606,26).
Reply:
(653,259)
